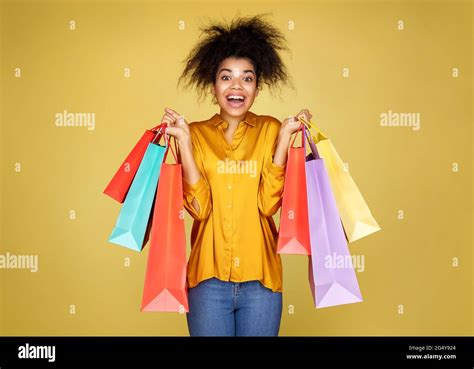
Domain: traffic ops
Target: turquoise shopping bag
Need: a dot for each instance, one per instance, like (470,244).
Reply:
(133,220)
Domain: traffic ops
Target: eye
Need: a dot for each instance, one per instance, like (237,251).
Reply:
(223,77)
(249,79)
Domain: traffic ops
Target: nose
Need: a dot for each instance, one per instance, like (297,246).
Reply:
(236,84)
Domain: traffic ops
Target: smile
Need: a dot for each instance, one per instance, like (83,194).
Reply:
(235,101)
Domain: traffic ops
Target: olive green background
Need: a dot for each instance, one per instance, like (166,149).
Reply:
(409,285)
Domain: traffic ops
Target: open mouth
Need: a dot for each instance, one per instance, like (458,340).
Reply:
(236,101)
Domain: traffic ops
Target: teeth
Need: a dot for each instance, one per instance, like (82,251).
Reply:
(235,97)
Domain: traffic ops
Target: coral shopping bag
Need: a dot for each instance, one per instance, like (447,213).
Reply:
(331,283)
(355,215)
(165,281)
(121,181)
(293,235)
(132,222)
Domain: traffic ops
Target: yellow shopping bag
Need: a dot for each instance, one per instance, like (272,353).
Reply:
(355,215)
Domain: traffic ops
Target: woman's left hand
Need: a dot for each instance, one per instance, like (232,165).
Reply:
(291,124)
(288,127)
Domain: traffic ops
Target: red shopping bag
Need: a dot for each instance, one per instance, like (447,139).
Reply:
(293,235)
(165,280)
(121,181)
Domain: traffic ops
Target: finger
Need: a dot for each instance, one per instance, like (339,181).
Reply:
(171,123)
(172,131)
(295,121)
(169,110)
(172,113)
(181,120)
(302,113)
(171,117)
(166,120)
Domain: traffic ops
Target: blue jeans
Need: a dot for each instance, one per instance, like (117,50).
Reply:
(220,308)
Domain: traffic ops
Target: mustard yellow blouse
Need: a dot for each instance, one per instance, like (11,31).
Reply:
(234,237)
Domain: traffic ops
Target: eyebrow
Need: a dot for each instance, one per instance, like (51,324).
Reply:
(228,70)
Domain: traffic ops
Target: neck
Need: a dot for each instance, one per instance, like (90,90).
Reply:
(233,121)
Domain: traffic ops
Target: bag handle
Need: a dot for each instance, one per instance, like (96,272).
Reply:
(312,145)
(159,134)
(309,137)
(159,126)
(303,141)
(168,147)
(319,134)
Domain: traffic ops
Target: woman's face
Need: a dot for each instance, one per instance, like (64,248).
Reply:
(235,77)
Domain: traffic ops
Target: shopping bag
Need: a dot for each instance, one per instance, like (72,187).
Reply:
(165,280)
(121,181)
(330,271)
(293,234)
(355,215)
(132,222)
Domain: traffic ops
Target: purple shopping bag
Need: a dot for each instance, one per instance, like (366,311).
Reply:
(331,283)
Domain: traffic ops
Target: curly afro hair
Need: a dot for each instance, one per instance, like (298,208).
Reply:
(246,37)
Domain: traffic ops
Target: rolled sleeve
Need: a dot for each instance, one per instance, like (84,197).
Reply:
(272,180)
(199,190)
(277,171)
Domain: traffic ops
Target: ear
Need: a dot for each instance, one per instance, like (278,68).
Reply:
(213,90)
(256,93)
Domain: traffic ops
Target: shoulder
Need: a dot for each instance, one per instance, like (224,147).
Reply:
(198,124)
(197,128)
(270,124)
(268,120)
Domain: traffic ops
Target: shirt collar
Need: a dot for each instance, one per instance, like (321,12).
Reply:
(250,118)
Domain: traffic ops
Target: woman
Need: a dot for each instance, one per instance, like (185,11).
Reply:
(233,174)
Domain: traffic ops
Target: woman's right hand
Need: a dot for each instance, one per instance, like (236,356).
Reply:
(177,126)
